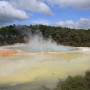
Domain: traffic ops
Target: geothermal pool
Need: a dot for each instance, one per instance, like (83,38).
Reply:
(22,68)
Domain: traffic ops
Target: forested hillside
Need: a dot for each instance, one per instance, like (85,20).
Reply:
(20,34)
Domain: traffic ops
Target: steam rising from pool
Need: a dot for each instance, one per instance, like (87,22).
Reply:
(39,44)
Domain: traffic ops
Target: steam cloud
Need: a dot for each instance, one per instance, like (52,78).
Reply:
(38,44)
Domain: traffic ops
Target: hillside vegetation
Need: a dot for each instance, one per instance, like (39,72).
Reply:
(20,34)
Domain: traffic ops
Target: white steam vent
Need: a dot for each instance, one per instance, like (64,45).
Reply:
(39,44)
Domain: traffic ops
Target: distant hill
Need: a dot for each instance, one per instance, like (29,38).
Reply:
(20,34)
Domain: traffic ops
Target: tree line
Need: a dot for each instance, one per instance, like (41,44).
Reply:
(20,34)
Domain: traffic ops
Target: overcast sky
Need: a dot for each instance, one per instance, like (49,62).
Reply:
(65,13)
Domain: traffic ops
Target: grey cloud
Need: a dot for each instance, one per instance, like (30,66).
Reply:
(83,23)
(9,13)
(81,4)
(34,6)
(41,21)
(11,10)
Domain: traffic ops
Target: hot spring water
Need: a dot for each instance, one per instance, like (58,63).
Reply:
(44,62)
